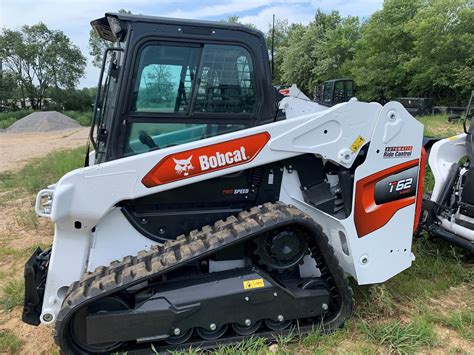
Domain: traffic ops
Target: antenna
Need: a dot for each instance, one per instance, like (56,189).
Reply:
(273,48)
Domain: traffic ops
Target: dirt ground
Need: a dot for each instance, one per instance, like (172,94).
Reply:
(17,148)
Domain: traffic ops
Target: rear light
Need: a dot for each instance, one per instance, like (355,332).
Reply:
(419,195)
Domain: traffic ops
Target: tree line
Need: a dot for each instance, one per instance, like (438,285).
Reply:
(420,48)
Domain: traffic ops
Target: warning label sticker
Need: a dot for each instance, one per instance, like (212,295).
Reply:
(359,142)
(255,283)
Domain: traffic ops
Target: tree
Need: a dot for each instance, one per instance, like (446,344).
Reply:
(318,52)
(8,90)
(383,51)
(281,30)
(97,45)
(38,59)
(444,45)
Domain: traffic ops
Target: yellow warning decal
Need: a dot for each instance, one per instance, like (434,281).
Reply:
(357,144)
(256,283)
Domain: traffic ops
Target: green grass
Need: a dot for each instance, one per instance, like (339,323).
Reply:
(7,122)
(12,295)
(460,321)
(9,343)
(322,342)
(438,126)
(401,338)
(252,346)
(84,118)
(43,171)
(437,267)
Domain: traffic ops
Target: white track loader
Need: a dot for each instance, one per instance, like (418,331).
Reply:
(211,209)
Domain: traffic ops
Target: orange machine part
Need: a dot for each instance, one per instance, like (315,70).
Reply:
(368,215)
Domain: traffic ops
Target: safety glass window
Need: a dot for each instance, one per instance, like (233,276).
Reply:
(226,81)
(164,79)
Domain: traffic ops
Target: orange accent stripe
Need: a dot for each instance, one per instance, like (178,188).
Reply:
(165,171)
(368,215)
(419,193)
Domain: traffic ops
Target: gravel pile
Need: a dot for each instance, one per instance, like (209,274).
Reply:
(43,122)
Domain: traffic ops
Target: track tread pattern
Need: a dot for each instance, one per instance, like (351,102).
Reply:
(158,260)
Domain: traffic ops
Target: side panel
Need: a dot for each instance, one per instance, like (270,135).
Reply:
(384,250)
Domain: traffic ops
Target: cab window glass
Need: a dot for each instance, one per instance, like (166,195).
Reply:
(144,137)
(226,81)
(165,78)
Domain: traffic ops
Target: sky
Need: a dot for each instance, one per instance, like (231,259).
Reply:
(73,16)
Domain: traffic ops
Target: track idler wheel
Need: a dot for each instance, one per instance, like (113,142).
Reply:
(208,334)
(246,330)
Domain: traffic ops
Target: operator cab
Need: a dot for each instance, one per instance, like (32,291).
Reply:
(171,82)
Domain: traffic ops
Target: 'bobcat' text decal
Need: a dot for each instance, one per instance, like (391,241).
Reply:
(189,163)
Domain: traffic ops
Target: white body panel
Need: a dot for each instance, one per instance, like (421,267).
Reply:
(85,198)
(443,155)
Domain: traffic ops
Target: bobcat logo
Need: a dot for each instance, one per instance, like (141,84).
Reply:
(183,166)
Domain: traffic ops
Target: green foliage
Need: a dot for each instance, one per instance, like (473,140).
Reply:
(8,118)
(319,51)
(72,100)
(401,338)
(385,45)
(9,343)
(280,39)
(443,45)
(43,171)
(84,118)
(408,48)
(7,122)
(39,59)
(12,295)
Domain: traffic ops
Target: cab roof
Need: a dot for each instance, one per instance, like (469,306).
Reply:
(104,25)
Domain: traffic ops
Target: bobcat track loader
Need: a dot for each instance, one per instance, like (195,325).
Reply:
(211,209)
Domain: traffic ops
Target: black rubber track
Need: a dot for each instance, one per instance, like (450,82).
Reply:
(150,264)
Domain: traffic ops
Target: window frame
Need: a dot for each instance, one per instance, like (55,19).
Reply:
(124,116)
(190,116)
